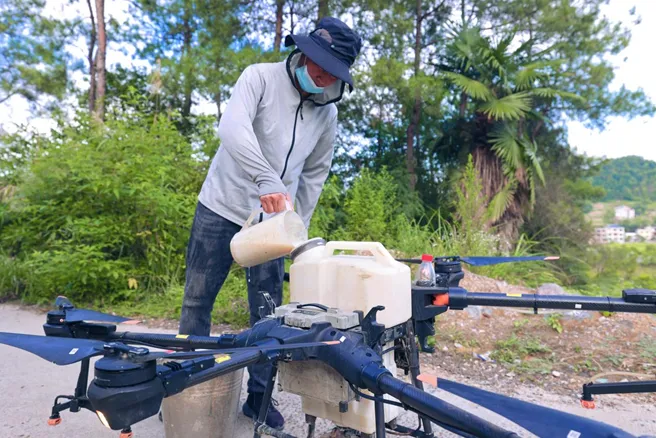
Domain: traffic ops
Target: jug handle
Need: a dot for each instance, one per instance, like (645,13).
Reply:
(377,249)
(257,211)
(251,217)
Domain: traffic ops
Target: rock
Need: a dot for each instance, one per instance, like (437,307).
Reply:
(555,373)
(510,374)
(445,348)
(517,361)
(473,311)
(550,289)
(457,345)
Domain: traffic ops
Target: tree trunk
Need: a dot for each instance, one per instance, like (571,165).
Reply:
(323,10)
(416,109)
(280,5)
(490,171)
(100,62)
(92,61)
(186,50)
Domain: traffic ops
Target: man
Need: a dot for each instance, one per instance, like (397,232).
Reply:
(277,138)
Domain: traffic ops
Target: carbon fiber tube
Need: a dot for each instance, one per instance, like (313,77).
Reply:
(236,363)
(568,302)
(173,341)
(439,410)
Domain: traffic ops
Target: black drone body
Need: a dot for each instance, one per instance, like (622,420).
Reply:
(130,381)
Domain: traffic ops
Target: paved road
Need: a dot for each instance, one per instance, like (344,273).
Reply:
(29,384)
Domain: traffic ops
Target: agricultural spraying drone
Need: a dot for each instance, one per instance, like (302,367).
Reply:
(130,382)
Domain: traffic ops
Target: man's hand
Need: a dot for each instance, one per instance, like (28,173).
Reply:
(275,202)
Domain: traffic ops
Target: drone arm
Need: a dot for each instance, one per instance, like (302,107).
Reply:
(437,409)
(566,302)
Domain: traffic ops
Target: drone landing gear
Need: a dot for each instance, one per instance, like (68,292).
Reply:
(261,428)
(75,402)
(126,433)
(614,388)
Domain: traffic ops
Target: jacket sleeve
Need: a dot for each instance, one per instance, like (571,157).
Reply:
(315,171)
(237,135)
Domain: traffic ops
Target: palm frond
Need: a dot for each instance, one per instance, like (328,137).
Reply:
(507,148)
(531,151)
(471,87)
(501,201)
(511,107)
(551,93)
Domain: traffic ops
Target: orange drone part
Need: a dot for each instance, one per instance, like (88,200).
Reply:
(588,404)
(441,300)
(54,421)
(126,435)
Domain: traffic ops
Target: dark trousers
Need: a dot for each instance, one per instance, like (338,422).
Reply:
(208,263)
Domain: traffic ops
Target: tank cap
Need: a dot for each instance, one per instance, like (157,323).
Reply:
(312,243)
(426,258)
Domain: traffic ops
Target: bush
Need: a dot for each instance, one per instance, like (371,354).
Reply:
(102,210)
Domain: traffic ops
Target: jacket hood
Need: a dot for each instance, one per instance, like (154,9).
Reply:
(331,94)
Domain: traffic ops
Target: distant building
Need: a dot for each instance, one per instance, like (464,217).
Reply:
(624,212)
(647,233)
(631,237)
(610,234)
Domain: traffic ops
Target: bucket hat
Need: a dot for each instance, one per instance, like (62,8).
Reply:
(333,46)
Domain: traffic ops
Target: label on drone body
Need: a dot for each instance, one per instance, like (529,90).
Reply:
(222,358)
(73,351)
(573,434)
(181,336)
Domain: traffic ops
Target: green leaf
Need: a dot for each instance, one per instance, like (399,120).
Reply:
(501,201)
(511,107)
(551,93)
(507,148)
(471,87)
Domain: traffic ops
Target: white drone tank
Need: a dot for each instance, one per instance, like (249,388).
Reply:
(351,282)
(346,282)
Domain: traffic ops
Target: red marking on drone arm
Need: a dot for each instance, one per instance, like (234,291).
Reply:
(552,258)
(332,342)
(428,378)
(132,322)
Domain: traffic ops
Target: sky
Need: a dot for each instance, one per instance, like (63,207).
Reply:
(621,137)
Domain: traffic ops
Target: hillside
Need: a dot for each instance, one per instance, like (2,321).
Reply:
(629,178)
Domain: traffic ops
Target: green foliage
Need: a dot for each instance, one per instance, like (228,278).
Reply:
(629,179)
(101,207)
(514,348)
(34,62)
(553,320)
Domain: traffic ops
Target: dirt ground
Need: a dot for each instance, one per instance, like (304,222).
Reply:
(557,353)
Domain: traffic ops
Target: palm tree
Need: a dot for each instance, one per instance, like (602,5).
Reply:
(497,118)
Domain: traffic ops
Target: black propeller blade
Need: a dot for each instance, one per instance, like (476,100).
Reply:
(61,351)
(78,315)
(486,261)
(203,353)
(539,420)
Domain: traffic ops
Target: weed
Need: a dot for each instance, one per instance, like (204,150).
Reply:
(648,347)
(520,323)
(554,322)
(514,348)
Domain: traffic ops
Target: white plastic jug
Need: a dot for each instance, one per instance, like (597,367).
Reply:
(352,282)
(274,237)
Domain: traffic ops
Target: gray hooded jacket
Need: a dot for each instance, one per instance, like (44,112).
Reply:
(272,141)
